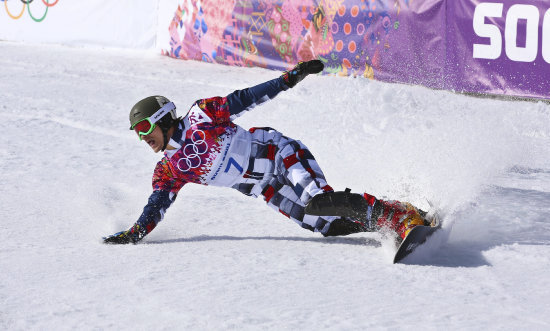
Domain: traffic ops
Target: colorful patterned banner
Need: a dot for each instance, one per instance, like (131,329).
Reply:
(427,42)
(500,47)
(349,36)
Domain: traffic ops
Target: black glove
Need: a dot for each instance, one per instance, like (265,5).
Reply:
(134,235)
(301,70)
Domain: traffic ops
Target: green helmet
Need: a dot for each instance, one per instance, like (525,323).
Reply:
(149,106)
(160,111)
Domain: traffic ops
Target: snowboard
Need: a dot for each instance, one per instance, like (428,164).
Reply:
(415,238)
(354,206)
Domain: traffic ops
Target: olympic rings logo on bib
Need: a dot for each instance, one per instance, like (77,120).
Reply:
(192,152)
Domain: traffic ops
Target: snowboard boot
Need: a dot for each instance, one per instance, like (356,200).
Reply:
(400,217)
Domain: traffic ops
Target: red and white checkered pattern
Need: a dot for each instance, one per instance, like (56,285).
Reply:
(287,175)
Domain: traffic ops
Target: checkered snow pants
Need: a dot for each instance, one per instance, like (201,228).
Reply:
(287,175)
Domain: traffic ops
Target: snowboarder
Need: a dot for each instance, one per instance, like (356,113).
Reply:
(206,147)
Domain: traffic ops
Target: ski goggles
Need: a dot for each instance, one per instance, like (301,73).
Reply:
(147,125)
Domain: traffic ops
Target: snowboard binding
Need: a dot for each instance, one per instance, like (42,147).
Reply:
(344,204)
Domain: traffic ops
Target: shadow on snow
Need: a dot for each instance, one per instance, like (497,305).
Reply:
(356,241)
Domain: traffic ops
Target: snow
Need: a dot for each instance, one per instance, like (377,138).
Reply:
(72,172)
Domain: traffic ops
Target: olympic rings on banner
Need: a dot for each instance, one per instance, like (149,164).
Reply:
(27,3)
(10,14)
(192,152)
(50,5)
(38,20)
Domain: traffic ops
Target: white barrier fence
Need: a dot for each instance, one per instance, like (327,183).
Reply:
(120,23)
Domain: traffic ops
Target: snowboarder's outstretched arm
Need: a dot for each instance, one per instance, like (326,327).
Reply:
(242,100)
(165,189)
(153,213)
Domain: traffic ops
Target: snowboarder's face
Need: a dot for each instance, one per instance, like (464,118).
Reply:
(154,139)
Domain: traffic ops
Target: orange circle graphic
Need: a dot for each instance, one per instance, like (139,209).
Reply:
(347,64)
(347,28)
(352,46)
(339,46)
(342,10)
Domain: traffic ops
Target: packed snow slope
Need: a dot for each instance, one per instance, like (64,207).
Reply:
(72,172)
